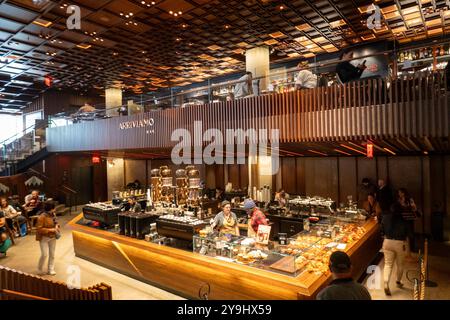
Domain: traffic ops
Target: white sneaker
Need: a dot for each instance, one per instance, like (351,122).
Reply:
(52,272)
(41,272)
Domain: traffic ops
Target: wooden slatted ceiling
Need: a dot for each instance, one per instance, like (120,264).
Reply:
(154,49)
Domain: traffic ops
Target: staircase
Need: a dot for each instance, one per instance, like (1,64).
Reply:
(61,209)
(21,151)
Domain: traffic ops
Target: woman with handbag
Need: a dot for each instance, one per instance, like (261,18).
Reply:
(406,206)
(48,230)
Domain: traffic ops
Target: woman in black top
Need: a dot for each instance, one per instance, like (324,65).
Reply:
(407,208)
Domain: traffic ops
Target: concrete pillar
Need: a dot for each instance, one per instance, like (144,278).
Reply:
(113,100)
(258,63)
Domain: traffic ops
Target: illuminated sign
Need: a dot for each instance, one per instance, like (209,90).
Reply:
(369,150)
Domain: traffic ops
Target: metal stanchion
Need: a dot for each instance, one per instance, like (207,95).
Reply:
(428,282)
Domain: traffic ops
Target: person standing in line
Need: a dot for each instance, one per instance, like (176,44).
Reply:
(343,287)
(394,246)
(406,206)
(384,196)
(47,232)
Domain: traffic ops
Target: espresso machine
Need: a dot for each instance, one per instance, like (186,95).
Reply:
(182,186)
(166,184)
(155,181)
(194,186)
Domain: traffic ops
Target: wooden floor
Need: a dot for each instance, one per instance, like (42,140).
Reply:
(25,254)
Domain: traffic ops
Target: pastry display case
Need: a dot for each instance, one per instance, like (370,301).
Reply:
(306,252)
(245,251)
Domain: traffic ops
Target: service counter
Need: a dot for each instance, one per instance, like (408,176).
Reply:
(190,274)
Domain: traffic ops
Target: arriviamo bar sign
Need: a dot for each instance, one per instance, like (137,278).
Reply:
(213,153)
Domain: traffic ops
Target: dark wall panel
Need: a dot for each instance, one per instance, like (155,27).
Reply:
(347,179)
(321,177)
(289,180)
(367,168)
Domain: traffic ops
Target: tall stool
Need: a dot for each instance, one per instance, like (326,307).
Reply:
(33,220)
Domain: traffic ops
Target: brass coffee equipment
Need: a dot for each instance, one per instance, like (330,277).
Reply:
(167,188)
(182,186)
(193,177)
(155,181)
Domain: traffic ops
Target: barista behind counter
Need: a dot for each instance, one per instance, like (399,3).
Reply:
(226,221)
(133,205)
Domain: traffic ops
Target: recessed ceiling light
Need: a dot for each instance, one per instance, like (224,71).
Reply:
(84,46)
(43,23)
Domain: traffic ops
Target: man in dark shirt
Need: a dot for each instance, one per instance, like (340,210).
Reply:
(346,71)
(343,287)
(385,196)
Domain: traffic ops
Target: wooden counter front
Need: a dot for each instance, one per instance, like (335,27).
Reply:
(186,273)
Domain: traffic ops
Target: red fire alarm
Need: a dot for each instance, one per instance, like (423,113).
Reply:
(95,159)
(369,150)
(48,81)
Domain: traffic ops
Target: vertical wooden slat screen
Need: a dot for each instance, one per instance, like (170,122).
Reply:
(23,283)
(412,106)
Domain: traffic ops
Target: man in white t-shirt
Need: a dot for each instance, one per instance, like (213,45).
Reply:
(305,78)
(244,88)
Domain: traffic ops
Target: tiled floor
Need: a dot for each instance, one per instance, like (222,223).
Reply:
(25,254)
(438,272)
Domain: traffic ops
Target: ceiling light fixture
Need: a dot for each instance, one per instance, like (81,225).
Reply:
(317,152)
(43,23)
(390,151)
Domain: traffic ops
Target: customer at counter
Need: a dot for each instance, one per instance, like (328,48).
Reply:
(347,72)
(256,217)
(343,287)
(226,220)
(372,207)
(384,196)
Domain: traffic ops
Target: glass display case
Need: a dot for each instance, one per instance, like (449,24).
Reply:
(245,251)
(308,251)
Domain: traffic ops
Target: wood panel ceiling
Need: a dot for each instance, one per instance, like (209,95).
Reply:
(146,45)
